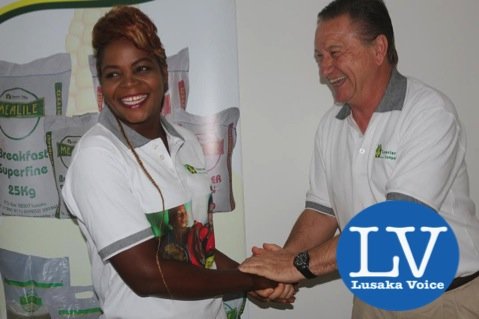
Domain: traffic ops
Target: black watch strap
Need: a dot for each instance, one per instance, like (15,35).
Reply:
(301,262)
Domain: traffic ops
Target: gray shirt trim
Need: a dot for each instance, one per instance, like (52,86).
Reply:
(393,99)
(124,243)
(320,208)
(108,119)
(406,198)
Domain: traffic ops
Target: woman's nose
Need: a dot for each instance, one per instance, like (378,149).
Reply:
(129,79)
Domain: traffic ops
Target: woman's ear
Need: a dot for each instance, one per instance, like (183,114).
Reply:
(165,77)
(99,97)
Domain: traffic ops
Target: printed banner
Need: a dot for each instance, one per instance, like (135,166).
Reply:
(23,6)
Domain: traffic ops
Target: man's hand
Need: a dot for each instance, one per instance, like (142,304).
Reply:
(283,292)
(272,262)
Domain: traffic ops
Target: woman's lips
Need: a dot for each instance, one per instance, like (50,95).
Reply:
(134,101)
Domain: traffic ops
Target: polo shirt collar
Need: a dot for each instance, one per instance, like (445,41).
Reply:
(108,119)
(393,99)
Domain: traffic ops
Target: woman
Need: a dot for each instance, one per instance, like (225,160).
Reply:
(128,171)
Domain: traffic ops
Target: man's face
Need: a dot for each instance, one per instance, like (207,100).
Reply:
(346,64)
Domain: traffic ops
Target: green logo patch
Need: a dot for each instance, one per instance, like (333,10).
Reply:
(385,154)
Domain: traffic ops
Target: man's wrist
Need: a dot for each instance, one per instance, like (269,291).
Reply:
(301,262)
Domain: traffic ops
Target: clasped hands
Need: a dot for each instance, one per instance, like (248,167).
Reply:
(275,263)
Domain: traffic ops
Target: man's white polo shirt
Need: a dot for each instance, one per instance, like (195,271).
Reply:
(413,149)
(110,195)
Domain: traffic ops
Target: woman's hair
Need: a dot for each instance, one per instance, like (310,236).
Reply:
(124,22)
(372,18)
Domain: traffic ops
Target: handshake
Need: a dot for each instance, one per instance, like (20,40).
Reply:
(290,265)
(276,264)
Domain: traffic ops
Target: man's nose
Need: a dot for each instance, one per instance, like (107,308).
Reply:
(325,66)
(325,69)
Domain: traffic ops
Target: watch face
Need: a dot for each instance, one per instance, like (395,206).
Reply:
(301,259)
(301,262)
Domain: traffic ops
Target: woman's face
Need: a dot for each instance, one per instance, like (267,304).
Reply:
(133,86)
(182,216)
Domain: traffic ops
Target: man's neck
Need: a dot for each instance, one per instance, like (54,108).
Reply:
(363,112)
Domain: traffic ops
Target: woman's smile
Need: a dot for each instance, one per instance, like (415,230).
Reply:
(134,102)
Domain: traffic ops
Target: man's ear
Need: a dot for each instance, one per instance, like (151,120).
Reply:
(380,45)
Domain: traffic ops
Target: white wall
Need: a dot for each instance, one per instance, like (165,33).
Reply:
(282,102)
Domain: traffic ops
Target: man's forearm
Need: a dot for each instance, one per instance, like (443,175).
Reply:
(323,257)
(310,230)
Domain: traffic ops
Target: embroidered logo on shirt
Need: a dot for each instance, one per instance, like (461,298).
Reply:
(381,153)
(194,170)
(190,169)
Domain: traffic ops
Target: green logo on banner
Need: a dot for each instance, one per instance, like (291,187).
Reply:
(18,104)
(23,6)
(22,110)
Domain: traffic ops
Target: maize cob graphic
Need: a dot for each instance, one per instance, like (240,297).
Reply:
(82,98)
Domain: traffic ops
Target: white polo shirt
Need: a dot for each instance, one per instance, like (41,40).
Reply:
(413,149)
(110,195)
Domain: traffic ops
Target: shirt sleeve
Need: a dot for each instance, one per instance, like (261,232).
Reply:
(317,195)
(97,190)
(431,153)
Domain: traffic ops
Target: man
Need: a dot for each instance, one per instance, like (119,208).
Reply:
(377,108)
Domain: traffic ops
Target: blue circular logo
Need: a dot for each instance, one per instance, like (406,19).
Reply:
(397,255)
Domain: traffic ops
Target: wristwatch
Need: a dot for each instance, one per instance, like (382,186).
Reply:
(301,262)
